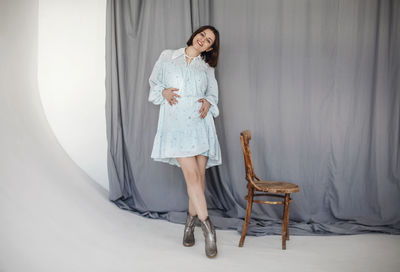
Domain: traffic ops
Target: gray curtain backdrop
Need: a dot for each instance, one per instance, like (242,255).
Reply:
(317,83)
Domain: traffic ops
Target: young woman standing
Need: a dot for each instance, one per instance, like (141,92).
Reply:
(183,84)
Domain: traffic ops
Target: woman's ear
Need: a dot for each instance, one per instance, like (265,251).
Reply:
(209,49)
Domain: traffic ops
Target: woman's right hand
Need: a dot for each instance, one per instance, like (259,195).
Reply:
(170,96)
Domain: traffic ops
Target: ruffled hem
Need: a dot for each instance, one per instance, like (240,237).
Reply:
(168,153)
(212,161)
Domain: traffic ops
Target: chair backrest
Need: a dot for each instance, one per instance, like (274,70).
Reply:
(245,137)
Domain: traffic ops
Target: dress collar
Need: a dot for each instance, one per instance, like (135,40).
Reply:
(180,52)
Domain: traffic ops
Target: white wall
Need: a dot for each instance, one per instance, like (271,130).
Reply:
(71,75)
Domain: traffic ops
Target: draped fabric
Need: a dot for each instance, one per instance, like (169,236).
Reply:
(317,83)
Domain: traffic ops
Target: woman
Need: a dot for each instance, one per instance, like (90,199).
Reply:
(183,84)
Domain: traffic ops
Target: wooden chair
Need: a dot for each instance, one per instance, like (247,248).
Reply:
(267,188)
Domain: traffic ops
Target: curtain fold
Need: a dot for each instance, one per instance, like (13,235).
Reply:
(317,83)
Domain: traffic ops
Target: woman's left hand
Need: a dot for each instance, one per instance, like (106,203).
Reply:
(204,108)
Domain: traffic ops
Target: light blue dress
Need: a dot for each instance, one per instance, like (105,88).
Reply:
(181,132)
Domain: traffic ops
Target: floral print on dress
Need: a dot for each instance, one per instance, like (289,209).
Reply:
(181,132)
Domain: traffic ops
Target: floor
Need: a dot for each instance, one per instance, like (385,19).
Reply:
(73,227)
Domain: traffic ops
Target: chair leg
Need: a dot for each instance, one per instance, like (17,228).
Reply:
(248,214)
(285,221)
(287,225)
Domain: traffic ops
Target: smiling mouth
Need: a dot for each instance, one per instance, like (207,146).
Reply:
(199,43)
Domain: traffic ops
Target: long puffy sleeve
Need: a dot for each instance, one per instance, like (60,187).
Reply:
(211,94)
(156,81)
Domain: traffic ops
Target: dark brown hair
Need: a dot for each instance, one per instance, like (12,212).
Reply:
(210,57)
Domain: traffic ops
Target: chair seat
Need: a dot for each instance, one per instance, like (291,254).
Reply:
(276,186)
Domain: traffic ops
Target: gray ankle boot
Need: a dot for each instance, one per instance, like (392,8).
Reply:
(210,237)
(188,232)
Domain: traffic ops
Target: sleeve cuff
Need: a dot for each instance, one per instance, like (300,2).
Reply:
(213,107)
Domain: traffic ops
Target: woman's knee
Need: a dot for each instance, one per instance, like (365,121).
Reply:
(191,170)
(202,175)
(193,176)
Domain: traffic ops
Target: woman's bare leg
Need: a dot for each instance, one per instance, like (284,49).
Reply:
(201,163)
(193,179)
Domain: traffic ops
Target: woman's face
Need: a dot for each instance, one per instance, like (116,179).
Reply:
(204,40)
